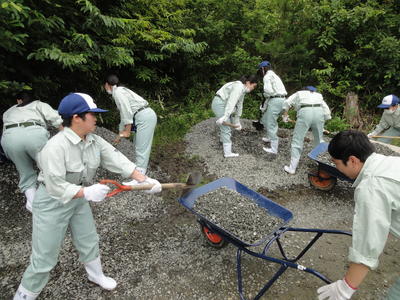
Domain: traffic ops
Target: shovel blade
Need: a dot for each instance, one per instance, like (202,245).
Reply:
(192,181)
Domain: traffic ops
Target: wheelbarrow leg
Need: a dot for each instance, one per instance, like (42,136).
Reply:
(282,269)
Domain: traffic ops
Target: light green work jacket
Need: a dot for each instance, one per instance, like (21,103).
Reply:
(36,111)
(307,98)
(388,120)
(128,102)
(232,93)
(67,162)
(377,208)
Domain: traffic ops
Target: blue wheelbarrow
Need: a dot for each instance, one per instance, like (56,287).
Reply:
(325,176)
(218,237)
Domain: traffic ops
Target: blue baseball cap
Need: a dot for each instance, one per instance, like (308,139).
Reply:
(388,101)
(264,63)
(311,88)
(76,103)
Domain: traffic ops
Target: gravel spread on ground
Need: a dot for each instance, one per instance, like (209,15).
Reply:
(237,214)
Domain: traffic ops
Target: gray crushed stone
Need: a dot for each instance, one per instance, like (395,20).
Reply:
(244,219)
(154,249)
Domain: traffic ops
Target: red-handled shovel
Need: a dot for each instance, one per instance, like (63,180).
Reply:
(192,181)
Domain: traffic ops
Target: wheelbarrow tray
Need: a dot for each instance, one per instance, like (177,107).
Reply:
(320,149)
(270,207)
(271,238)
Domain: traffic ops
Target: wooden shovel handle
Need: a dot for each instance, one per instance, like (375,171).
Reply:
(385,137)
(123,188)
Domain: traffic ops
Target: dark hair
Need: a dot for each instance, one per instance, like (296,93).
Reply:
(68,120)
(26,98)
(263,70)
(112,79)
(251,78)
(350,142)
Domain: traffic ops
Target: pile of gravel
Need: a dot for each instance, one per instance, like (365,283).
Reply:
(237,214)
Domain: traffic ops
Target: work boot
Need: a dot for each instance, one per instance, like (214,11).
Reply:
(274,147)
(96,275)
(30,195)
(228,150)
(142,170)
(266,140)
(293,166)
(24,294)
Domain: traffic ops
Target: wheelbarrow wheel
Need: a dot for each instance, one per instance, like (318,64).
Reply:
(212,238)
(321,180)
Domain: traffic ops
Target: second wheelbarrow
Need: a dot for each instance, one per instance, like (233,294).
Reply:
(216,235)
(325,176)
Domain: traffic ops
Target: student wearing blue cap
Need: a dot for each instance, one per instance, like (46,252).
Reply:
(68,164)
(24,135)
(312,112)
(390,120)
(274,94)
(134,112)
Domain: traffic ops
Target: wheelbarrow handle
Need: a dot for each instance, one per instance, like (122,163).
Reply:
(143,187)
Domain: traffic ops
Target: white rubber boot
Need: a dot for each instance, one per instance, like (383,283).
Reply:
(293,166)
(265,140)
(274,147)
(30,195)
(96,275)
(141,170)
(228,150)
(24,294)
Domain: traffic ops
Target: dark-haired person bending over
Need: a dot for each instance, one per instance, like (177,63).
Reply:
(377,209)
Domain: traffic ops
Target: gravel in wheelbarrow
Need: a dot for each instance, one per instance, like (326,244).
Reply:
(245,220)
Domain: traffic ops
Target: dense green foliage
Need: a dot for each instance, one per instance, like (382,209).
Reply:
(177,53)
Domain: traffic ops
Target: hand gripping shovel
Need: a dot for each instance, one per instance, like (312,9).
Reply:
(192,181)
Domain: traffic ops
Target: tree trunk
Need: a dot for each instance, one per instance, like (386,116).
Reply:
(352,112)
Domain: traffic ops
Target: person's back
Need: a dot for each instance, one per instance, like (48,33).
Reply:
(380,174)
(24,135)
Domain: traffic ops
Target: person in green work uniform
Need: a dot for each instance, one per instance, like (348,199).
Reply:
(312,112)
(135,113)
(24,135)
(274,94)
(376,212)
(68,163)
(227,106)
(389,124)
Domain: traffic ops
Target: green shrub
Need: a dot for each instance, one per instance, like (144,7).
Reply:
(336,124)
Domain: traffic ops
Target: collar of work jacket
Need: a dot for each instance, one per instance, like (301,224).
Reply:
(74,138)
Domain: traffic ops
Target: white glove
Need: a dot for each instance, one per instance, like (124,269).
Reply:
(96,192)
(220,120)
(327,117)
(263,107)
(285,118)
(155,189)
(239,127)
(338,290)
